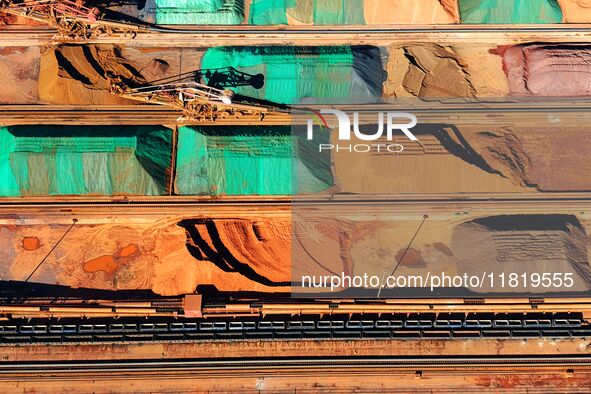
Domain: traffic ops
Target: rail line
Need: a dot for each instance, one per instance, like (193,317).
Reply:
(191,36)
(536,113)
(57,305)
(440,207)
(283,365)
(286,200)
(254,30)
(32,313)
(446,210)
(494,105)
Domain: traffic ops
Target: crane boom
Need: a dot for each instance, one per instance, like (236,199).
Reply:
(70,19)
(201,94)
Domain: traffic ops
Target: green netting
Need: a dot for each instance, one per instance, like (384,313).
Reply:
(317,12)
(66,160)
(269,12)
(510,11)
(193,5)
(305,74)
(199,12)
(8,184)
(247,160)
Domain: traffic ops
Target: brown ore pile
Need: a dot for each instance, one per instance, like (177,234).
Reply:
(74,74)
(169,256)
(20,71)
(175,255)
(472,159)
(257,250)
(549,159)
(427,71)
(576,11)
(548,69)
(531,244)
(410,12)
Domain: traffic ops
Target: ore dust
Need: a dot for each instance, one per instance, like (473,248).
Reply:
(71,74)
(470,159)
(31,243)
(109,264)
(576,11)
(175,255)
(547,69)
(379,12)
(19,67)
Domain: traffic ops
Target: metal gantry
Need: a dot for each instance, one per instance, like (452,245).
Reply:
(201,94)
(72,20)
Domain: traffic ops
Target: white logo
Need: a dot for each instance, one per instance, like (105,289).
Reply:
(345,131)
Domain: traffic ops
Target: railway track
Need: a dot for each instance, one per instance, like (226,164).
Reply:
(411,208)
(281,200)
(536,113)
(130,115)
(31,313)
(190,36)
(317,365)
(50,302)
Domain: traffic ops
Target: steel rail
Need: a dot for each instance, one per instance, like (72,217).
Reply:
(580,362)
(484,104)
(48,307)
(318,35)
(566,113)
(330,29)
(303,199)
(33,214)
(572,201)
(255,30)
(255,200)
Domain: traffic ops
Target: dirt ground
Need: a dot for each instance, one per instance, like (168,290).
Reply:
(174,255)
(70,74)
(20,75)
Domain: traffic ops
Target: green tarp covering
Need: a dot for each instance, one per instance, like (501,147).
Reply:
(248,160)
(269,12)
(510,11)
(72,160)
(199,12)
(193,5)
(317,12)
(305,74)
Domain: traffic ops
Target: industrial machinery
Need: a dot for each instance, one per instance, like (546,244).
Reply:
(202,94)
(33,312)
(70,19)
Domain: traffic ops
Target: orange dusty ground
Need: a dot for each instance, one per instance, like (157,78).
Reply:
(383,382)
(378,12)
(576,11)
(168,255)
(20,74)
(303,348)
(174,254)
(396,381)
